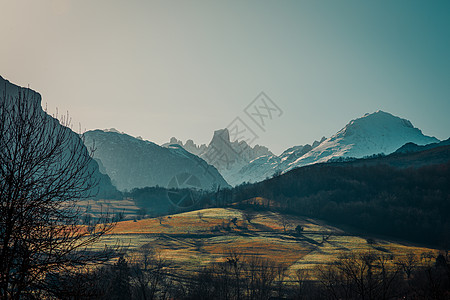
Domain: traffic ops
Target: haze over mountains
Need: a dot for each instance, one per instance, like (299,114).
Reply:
(378,132)
(228,156)
(134,163)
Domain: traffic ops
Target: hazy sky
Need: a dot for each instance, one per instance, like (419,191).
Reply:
(158,69)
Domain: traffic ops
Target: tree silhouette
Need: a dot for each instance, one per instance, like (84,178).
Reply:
(44,170)
(285,223)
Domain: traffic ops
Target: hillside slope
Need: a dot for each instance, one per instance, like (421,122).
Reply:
(135,163)
(192,240)
(226,153)
(402,195)
(11,91)
(379,132)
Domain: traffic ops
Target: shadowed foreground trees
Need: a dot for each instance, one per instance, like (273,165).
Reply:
(360,275)
(238,277)
(44,169)
(144,275)
(370,275)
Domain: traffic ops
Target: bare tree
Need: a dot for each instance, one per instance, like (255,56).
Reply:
(44,170)
(364,275)
(147,274)
(261,274)
(285,223)
(281,272)
(160,219)
(408,263)
(239,277)
(302,278)
(234,262)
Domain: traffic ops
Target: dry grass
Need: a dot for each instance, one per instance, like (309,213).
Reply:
(99,208)
(259,201)
(192,239)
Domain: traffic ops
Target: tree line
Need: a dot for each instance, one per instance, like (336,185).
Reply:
(411,204)
(145,275)
(408,203)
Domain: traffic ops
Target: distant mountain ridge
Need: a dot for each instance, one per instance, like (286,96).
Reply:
(378,132)
(374,133)
(412,147)
(227,156)
(189,146)
(427,156)
(135,163)
(400,194)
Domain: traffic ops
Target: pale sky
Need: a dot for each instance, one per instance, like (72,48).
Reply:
(159,69)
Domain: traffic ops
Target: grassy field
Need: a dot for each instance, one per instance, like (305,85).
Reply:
(98,208)
(193,239)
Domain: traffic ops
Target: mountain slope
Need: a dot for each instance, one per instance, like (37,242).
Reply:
(379,132)
(403,194)
(411,147)
(267,165)
(104,189)
(135,163)
(226,155)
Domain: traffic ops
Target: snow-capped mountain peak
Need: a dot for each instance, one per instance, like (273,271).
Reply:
(228,156)
(373,133)
(378,132)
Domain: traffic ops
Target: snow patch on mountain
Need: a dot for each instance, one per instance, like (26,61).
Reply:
(228,156)
(378,132)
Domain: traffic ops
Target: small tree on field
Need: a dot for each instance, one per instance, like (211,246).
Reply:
(44,170)
(248,216)
(285,223)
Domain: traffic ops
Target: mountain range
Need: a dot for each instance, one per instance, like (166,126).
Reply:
(378,132)
(135,163)
(229,157)
(128,162)
(403,194)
